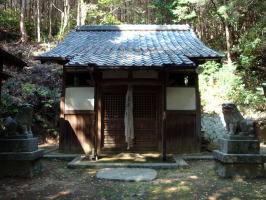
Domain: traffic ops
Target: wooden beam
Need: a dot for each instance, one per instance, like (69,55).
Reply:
(132,82)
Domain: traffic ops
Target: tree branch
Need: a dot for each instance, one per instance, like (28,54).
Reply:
(57,8)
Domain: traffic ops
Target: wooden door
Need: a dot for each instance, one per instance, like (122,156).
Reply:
(145,113)
(113,118)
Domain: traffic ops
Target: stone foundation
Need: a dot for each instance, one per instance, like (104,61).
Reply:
(20,157)
(239,156)
(18,145)
(228,170)
(20,168)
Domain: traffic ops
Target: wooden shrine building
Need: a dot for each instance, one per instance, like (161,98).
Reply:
(159,63)
(8,59)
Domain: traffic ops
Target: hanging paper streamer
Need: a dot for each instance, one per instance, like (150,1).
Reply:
(129,121)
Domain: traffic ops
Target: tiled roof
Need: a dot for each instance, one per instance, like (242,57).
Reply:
(131,45)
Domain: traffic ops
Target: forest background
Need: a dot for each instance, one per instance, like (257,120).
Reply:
(236,28)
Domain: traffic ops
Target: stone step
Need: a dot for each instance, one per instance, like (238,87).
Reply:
(79,163)
(127,174)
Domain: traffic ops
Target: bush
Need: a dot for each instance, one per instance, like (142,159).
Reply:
(230,85)
(39,85)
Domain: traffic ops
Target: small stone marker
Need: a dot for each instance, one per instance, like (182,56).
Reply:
(127,174)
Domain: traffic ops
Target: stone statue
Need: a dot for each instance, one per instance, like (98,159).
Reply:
(20,126)
(235,122)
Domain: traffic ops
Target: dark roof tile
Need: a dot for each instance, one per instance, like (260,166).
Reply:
(131,45)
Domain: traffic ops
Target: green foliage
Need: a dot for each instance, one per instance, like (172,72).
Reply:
(164,11)
(8,106)
(9,22)
(210,68)
(3,1)
(252,47)
(110,19)
(183,10)
(229,85)
(103,12)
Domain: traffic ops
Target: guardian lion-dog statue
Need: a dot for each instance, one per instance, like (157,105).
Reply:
(21,124)
(235,122)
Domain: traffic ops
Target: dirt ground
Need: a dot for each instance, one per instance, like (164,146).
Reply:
(197,182)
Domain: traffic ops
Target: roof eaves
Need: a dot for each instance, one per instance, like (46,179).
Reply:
(11,59)
(44,58)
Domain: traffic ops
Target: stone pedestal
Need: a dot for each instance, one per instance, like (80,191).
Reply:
(20,157)
(239,156)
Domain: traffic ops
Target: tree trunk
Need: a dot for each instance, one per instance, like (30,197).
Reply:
(50,18)
(24,36)
(78,12)
(64,18)
(227,30)
(228,38)
(38,28)
(82,12)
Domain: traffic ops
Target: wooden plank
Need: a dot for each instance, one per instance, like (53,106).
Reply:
(76,112)
(132,82)
(181,133)
(82,126)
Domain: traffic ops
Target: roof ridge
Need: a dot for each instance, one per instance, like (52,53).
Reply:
(134,27)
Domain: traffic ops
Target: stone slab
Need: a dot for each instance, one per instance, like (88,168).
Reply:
(231,170)
(238,137)
(20,168)
(239,158)
(239,146)
(78,163)
(21,155)
(127,174)
(67,157)
(197,157)
(18,145)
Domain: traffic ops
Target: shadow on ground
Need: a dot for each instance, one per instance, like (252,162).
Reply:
(198,182)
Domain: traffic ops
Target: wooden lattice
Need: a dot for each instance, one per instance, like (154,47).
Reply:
(144,106)
(114,105)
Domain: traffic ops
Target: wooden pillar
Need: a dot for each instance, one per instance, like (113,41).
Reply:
(198,112)
(62,124)
(1,70)
(98,115)
(163,127)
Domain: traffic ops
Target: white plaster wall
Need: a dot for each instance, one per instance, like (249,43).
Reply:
(79,98)
(180,98)
(145,74)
